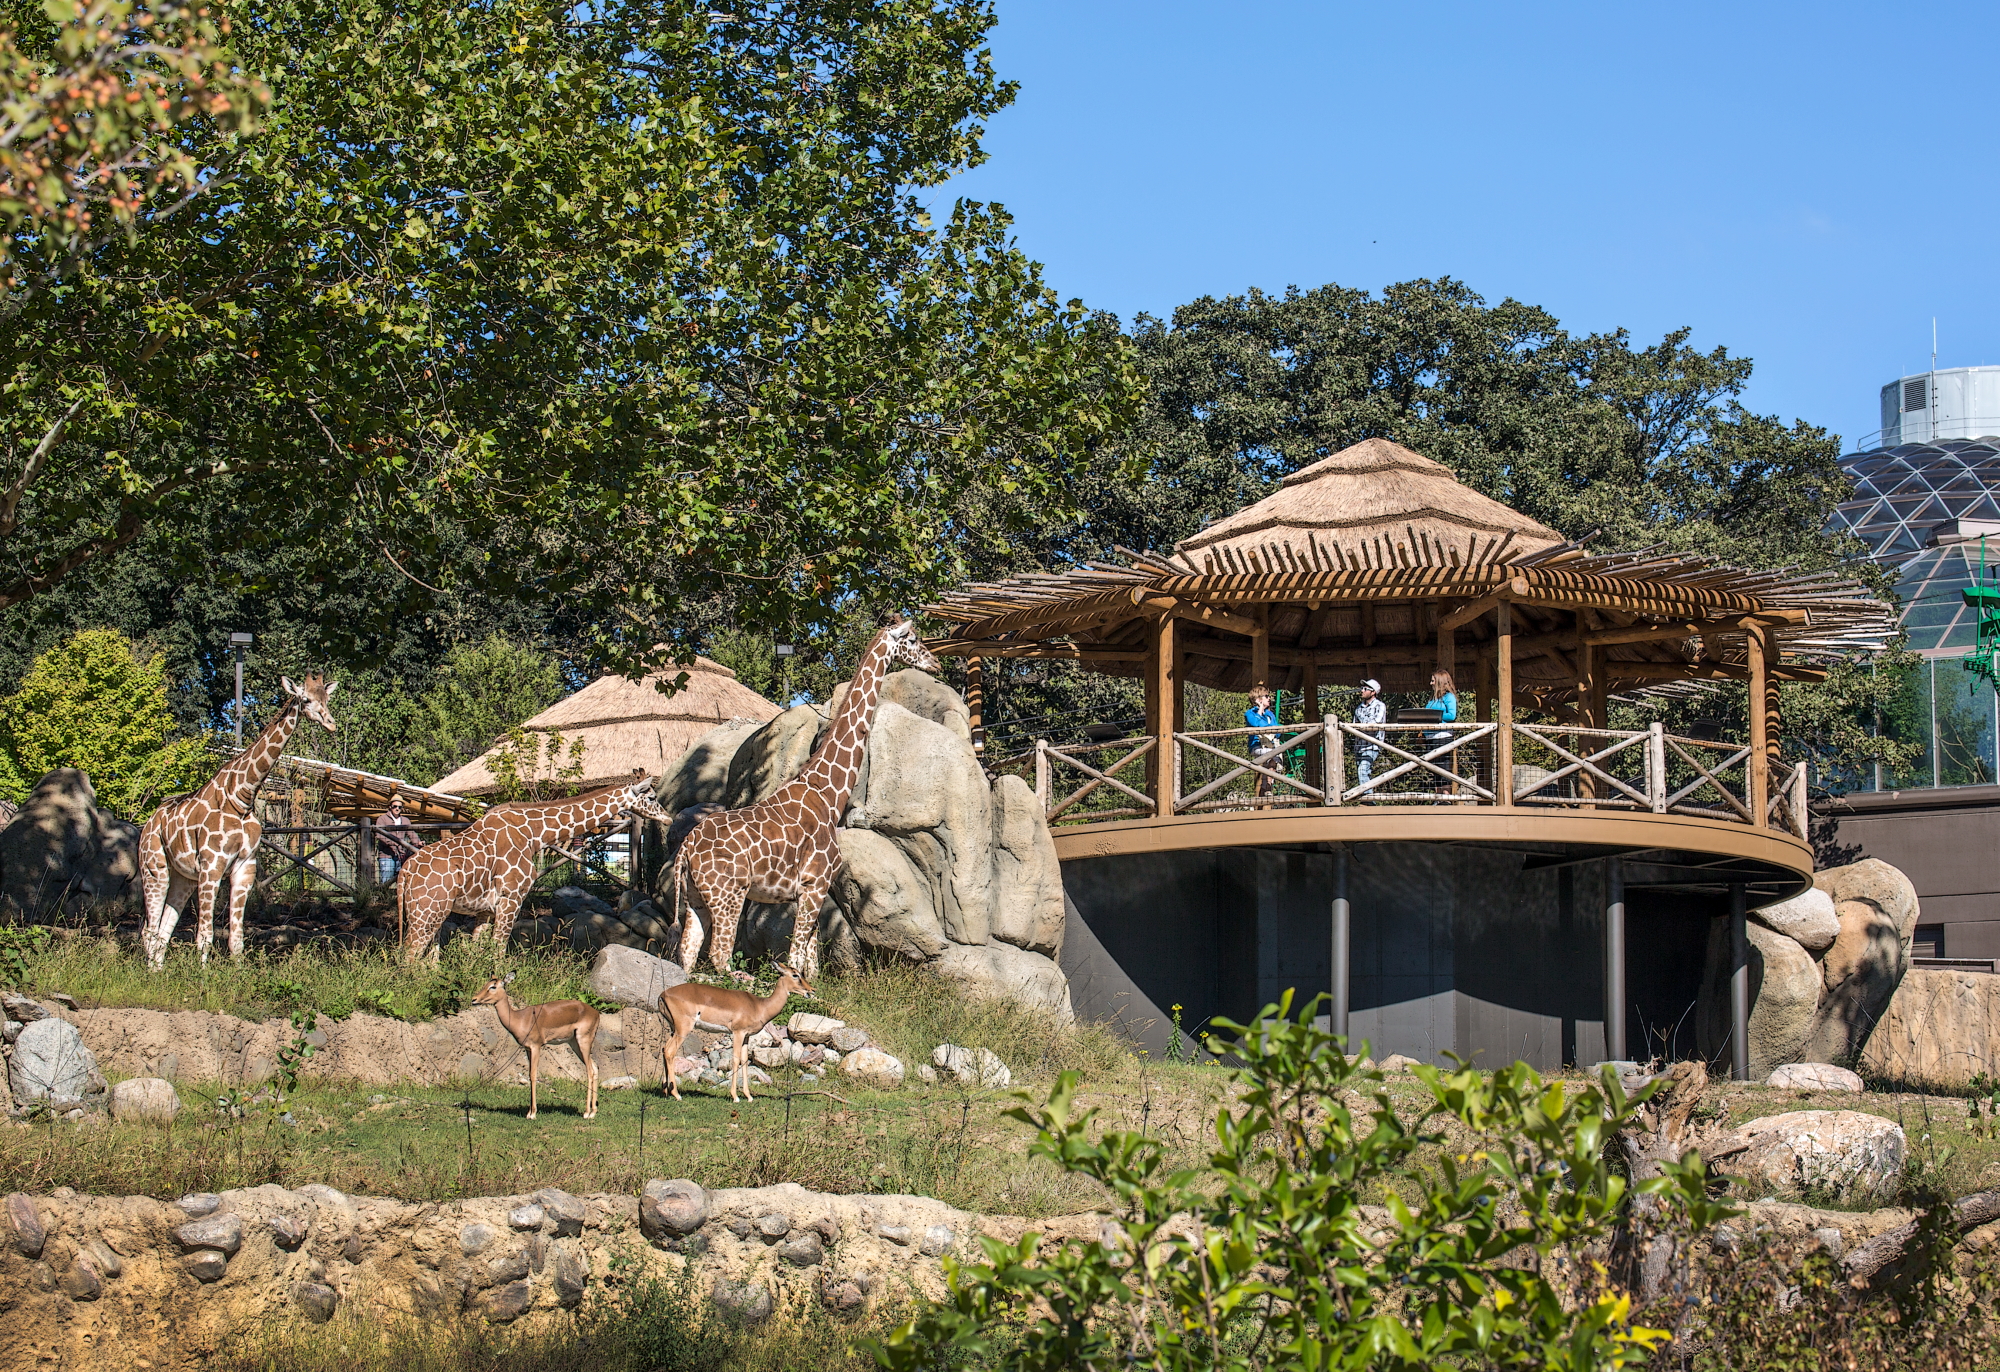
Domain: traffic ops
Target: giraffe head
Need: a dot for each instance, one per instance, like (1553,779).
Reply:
(312,694)
(906,646)
(640,802)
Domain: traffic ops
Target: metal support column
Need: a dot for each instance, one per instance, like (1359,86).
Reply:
(1739,985)
(1340,966)
(1614,960)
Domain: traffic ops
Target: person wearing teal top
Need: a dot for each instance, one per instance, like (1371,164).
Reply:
(1444,699)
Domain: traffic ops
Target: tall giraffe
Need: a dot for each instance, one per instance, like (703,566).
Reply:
(192,842)
(784,847)
(485,869)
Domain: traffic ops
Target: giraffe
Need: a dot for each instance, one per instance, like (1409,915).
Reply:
(784,847)
(192,842)
(485,869)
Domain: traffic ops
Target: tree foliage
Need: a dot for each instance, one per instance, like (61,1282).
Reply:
(608,308)
(1270,1257)
(98,704)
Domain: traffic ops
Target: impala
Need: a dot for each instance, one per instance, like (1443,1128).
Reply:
(723,1007)
(536,1026)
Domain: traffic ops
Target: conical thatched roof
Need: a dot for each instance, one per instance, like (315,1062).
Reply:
(626,724)
(1376,504)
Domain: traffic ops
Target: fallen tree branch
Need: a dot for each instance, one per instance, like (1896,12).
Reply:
(1968,1213)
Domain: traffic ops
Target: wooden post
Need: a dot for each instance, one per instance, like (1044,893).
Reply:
(1801,819)
(1152,691)
(975,701)
(1482,713)
(1260,650)
(1166,709)
(1309,693)
(1760,739)
(1587,680)
(1042,773)
(1503,705)
(364,855)
(1656,767)
(1336,759)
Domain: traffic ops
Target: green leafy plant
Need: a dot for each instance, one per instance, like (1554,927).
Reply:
(1982,1106)
(1267,1257)
(376,1003)
(292,1057)
(1177,1049)
(19,946)
(533,766)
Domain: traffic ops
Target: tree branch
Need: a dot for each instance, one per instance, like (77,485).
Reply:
(10,504)
(1982,1207)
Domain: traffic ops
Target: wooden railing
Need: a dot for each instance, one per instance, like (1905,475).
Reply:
(1338,763)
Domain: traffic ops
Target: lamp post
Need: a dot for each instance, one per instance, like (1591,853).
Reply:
(786,651)
(239,642)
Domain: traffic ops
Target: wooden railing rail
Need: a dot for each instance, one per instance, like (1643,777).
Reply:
(1584,764)
(1289,736)
(1465,785)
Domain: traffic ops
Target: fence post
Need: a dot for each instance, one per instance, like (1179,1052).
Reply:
(1336,761)
(1799,815)
(1042,773)
(1656,767)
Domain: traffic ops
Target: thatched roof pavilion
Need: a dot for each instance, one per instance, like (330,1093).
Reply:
(627,724)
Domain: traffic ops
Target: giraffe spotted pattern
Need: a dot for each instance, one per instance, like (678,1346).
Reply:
(785,847)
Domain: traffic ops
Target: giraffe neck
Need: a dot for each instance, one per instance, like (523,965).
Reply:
(236,784)
(829,778)
(561,823)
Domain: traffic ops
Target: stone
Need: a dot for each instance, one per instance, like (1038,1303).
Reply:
(1028,909)
(205,1265)
(806,1028)
(631,977)
(672,1209)
(1844,1154)
(772,1057)
(198,1204)
(898,1234)
(756,1076)
(701,777)
(506,1267)
(103,1259)
(1814,1076)
(570,1278)
(1000,971)
(25,1009)
(924,696)
(927,1074)
(990,1071)
(29,1232)
(1785,990)
(618,1084)
(288,1231)
(847,1038)
(144,1100)
(50,1062)
(890,906)
(1936,1031)
(1807,919)
(773,755)
(749,1302)
(685,1067)
(843,1297)
(1878,911)
(316,1300)
(573,902)
(81,1282)
(505,1304)
(1396,1062)
(649,922)
(954,1064)
(872,1067)
(565,1212)
(804,1249)
(10,1031)
(474,1239)
(937,1241)
(1831,1240)
(351,1251)
(773,1226)
(61,849)
(525,1217)
(222,1231)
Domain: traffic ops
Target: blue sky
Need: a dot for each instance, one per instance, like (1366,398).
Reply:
(1807,185)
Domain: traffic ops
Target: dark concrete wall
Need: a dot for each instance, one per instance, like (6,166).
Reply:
(1455,950)
(1946,841)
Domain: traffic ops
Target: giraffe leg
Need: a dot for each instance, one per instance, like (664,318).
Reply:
(155,876)
(242,881)
(506,909)
(725,907)
(805,927)
(208,890)
(534,1075)
(179,892)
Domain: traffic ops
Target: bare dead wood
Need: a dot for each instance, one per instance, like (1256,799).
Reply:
(1968,1213)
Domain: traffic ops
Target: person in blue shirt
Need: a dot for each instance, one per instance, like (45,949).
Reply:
(1263,747)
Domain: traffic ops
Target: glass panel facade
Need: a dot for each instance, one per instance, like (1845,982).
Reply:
(1951,720)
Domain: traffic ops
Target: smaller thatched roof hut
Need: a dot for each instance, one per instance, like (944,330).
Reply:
(627,725)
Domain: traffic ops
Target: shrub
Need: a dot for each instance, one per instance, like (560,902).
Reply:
(1267,1257)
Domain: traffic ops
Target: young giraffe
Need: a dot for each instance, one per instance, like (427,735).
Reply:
(784,847)
(193,841)
(485,869)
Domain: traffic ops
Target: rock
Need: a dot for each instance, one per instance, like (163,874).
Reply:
(843,1297)
(1807,919)
(773,1057)
(702,774)
(927,1074)
(756,1076)
(474,1239)
(50,1062)
(199,1204)
(223,1231)
(1843,1153)
(148,1100)
(921,781)
(750,1302)
(898,1234)
(29,1233)
(888,904)
(106,1262)
(618,1084)
(954,1064)
(806,1028)
(847,1038)
(672,1209)
(525,1217)
(685,1067)
(632,977)
(1396,1062)
(803,1249)
(205,1265)
(1000,971)
(81,1282)
(1877,907)
(924,696)
(649,922)
(504,1304)
(10,1030)
(22,1008)
(1814,1076)
(570,1278)
(872,1067)
(773,1226)
(1939,1030)
(61,849)
(565,1211)
(315,1299)
(1785,991)
(992,1073)
(289,1231)
(773,755)
(509,1266)
(1028,909)
(573,902)
(937,1241)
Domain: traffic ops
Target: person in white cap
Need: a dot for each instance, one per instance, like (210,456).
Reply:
(1371,710)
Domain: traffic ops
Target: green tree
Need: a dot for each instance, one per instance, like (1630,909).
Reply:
(97,704)
(609,310)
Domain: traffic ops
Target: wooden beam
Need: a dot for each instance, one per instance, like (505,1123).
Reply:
(975,701)
(1503,665)
(1705,671)
(1260,651)
(1315,626)
(1657,633)
(1198,613)
(1086,652)
(1465,614)
(1324,657)
(1164,707)
(1760,762)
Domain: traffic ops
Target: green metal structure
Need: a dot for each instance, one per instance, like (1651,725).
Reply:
(1983,598)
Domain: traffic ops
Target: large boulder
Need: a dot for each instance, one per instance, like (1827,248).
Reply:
(924,696)
(1842,1154)
(631,977)
(62,849)
(1807,919)
(1877,909)
(1941,1029)
(890,906)
(702,774)
(998,971)
(773,755)
(923,784)
(50,1062)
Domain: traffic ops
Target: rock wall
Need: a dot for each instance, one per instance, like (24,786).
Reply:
(1824,967)
(61,849)
(1940,1031)
(943,867)
(87,1280)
